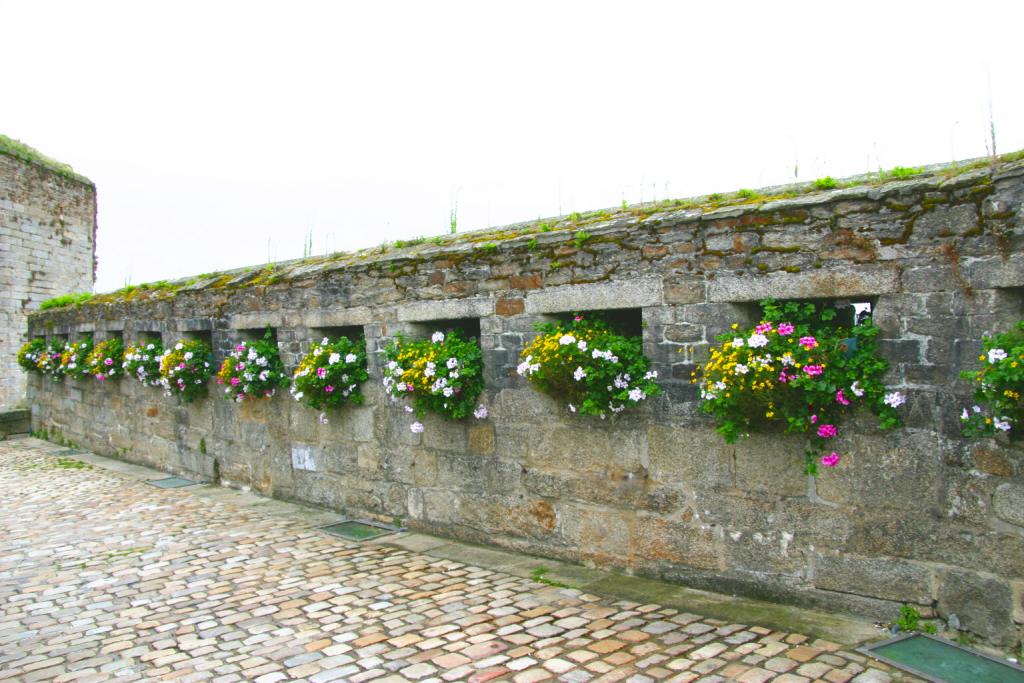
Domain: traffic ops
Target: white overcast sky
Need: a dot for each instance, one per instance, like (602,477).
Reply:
(220,133)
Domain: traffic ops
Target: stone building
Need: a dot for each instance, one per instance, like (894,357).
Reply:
(47,247)
(920,514)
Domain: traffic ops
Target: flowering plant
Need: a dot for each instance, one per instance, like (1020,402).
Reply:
(1000,385)
(442,374)
(795,370)
(73,360)
(330,374)
(593,369)
(30,354)
(105,359)
(49,360)
(252,370)
(142,361)
(185,368)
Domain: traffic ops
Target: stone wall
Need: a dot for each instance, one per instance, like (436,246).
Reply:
(919,514)
(47,248)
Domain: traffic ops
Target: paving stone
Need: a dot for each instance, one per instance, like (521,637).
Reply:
(225,592)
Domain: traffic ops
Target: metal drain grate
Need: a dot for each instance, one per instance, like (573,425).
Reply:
(941,661)
(171,483)
(359,529)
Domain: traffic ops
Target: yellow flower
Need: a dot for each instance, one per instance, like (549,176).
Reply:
(769,414)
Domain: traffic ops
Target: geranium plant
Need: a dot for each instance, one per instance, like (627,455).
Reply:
(105,360)
(185,369)
(49,362)
(30,354)
(331,373)
(443,374)
(999,385)
(142,361)
(73,360)
(252,370)
(799,372)
(594,370)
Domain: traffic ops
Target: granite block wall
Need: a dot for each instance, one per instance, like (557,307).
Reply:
(47,248)
(918,515)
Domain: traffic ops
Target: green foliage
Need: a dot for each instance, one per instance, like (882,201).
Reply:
(999,385)
(826,183)
(909,621)
(593,369)
(73,361)
(575,217)
(185,369)
(142,361)
(106,360)
(545,227)
(253,370)
(900,172)
(330,375)
(453,220)
(538,575)
(580,238)
(409,243)
(65,300)
(715,197)
(49,362)
(796,371)
(19,150)
(202,446)
(532,244)
(30,353)
(443,374)
(747,194)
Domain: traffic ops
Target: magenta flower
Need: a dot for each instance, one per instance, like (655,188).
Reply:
(783,377)
(234,381)
(808,342)
(814,419)
(842,399)
(240,367)
(181,366)
(578,318)
(101,378)
(813,370)
(830,460)
(240,348)
(108,361)
(321,372)
(827,431)
(785,329)
(763,328)
(328,388)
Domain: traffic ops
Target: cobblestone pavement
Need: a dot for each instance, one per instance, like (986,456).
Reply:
(105,578)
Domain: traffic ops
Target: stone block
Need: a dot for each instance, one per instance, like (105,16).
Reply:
(983,603)
(448,309)
(879,577)
(1008,503)
(635,293)
(656,540)
(864,280)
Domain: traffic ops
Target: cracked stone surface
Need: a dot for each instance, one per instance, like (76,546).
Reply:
(105,578)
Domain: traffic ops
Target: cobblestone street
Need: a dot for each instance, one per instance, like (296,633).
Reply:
(103,577)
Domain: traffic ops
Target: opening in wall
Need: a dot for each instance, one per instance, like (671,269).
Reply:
(625,321)
(114,334)
(849,312)
(353,332)
(468,327)
(198,335)
(147,336)
(256,333)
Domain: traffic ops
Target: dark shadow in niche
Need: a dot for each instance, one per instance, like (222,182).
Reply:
(353,332)
(849,311)
(147,336)
(468,327)
(629,322)
(253,334)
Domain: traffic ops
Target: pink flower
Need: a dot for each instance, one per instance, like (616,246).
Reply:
(328,388)
(240,348)
(842,399)
(240,367)
(783,377)
(578,318)
(830,460)
(101,378)
(785,329)
(813,370)
(814,419)
(410,387)
(808,342)
(763,328)
(108,361)
(321,372)
(234,381)
(827,431)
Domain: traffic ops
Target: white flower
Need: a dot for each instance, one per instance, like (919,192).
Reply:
(452,363)
(737,343)
(251,355)
(581,345)
(392,365)
(620,383)
(894,400)
(417,427)
(264,375)
(1001,423)
(964,415)
(179,346)
(429,370)
(323,418)
(976,409)
(636,395)
(402,386)
(740,369)
(350,358)
(757,341)
(149,347)
(408,409)
(720,385)
(480,413)
(454,374)
(857,391)
(261,361)
(188,355)
(579,374)
(996,355)
(437,338)
(566,339)
(572,408)
(653,374)
(325,341)
(447,391)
